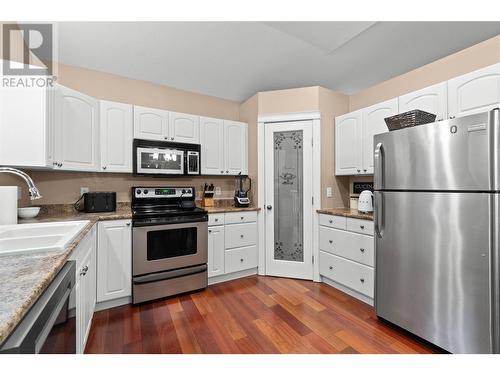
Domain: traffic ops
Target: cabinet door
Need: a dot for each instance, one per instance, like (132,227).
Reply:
(24,120)
(235,148)
(215,251)
(90,287)
(116,137)
(373,123)
(184,128)
(212,146)
(474,92)
(114,260)
(77,131)
(150,123)
(432,99)
(348,144)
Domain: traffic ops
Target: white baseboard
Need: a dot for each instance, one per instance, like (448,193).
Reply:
(232,276)
(104,305)
(347,290)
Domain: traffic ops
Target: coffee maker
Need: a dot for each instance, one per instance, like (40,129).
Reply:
(241,194)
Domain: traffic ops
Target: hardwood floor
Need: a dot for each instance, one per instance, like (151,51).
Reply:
(251,315)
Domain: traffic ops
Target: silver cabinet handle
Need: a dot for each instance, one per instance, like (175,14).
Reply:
(128,224)
(60,164)
(216,220)
(227,171)
(221,171)
(365,170)
(331,241)
(241,217)
(362,280)
(269,207)
(104,167)
(172,138)
(359,170)
(241,236)
(241,260)
(330,221)
(166,138)
(362,250)
(331,267)
(209,231)
(362,226)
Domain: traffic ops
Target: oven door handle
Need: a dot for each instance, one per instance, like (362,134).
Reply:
(148,227)
(158,276)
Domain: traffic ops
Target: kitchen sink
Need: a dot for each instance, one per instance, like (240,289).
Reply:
(28,238)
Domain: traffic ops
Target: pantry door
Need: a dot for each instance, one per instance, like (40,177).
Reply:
(288,198)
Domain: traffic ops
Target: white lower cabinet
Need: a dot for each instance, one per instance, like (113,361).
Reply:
(83,299)
(232,243)
(216,250)
(347,255)
(114,260)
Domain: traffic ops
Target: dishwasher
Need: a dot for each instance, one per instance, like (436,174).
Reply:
(47,328)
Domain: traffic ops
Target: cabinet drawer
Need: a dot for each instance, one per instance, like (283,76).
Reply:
(360,226)
(215,219)
(349,245)
(346,272)
(333,221)
(241,259)
(238,235)
(240,217)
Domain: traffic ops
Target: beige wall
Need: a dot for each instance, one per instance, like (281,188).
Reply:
(330,104)
(465,61)
(249,112)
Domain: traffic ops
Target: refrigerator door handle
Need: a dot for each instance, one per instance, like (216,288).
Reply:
(379,213)
(378,181)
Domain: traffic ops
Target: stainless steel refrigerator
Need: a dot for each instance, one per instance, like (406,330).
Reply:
(437,228)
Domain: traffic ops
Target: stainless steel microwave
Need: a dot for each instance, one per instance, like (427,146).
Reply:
(165,158)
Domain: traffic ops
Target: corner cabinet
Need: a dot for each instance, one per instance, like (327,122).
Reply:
(116,137)
(348,144)
(223,147)
(114,260)
(474,92)
(432,99)
(76,131)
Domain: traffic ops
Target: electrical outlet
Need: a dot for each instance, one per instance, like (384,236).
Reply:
(218,190)
(84,190)
(329,192)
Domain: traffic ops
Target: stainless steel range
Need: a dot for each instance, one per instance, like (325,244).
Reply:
(169,242)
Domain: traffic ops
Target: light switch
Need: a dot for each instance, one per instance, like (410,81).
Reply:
(329,192)
(218,190)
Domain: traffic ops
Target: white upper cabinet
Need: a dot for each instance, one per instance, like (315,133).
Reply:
(26,127)
(373,123)
(212,146)
(432,99)
(235,147)
(151,123)
(475,92)
(76,138)
(348,143)
(116,137)
(184,128)
(114,260)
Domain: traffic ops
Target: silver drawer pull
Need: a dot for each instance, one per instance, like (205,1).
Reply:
(241,236)
(330,221)
(362,280)
(331,267)
(331,241)
(362,226)
(362,250)
(216,219)
(209,231)
(241,217)
(241,260)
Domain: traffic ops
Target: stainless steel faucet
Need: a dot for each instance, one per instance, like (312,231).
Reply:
(34,193)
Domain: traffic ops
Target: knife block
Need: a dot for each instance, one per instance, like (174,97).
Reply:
(207,202)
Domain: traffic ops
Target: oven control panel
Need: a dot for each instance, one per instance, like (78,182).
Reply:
(163,192)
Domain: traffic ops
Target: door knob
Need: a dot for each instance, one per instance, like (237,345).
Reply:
(269,207)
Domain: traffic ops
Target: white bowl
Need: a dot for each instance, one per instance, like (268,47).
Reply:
(28,212)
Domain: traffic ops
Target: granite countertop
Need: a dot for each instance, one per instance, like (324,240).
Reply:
(347,212)
(23,278)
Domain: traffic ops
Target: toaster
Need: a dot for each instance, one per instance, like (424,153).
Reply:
(99,201)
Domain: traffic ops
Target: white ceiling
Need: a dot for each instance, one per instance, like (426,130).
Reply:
(234,60)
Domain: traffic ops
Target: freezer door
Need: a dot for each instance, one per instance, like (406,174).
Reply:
(458,154)
(433,266)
